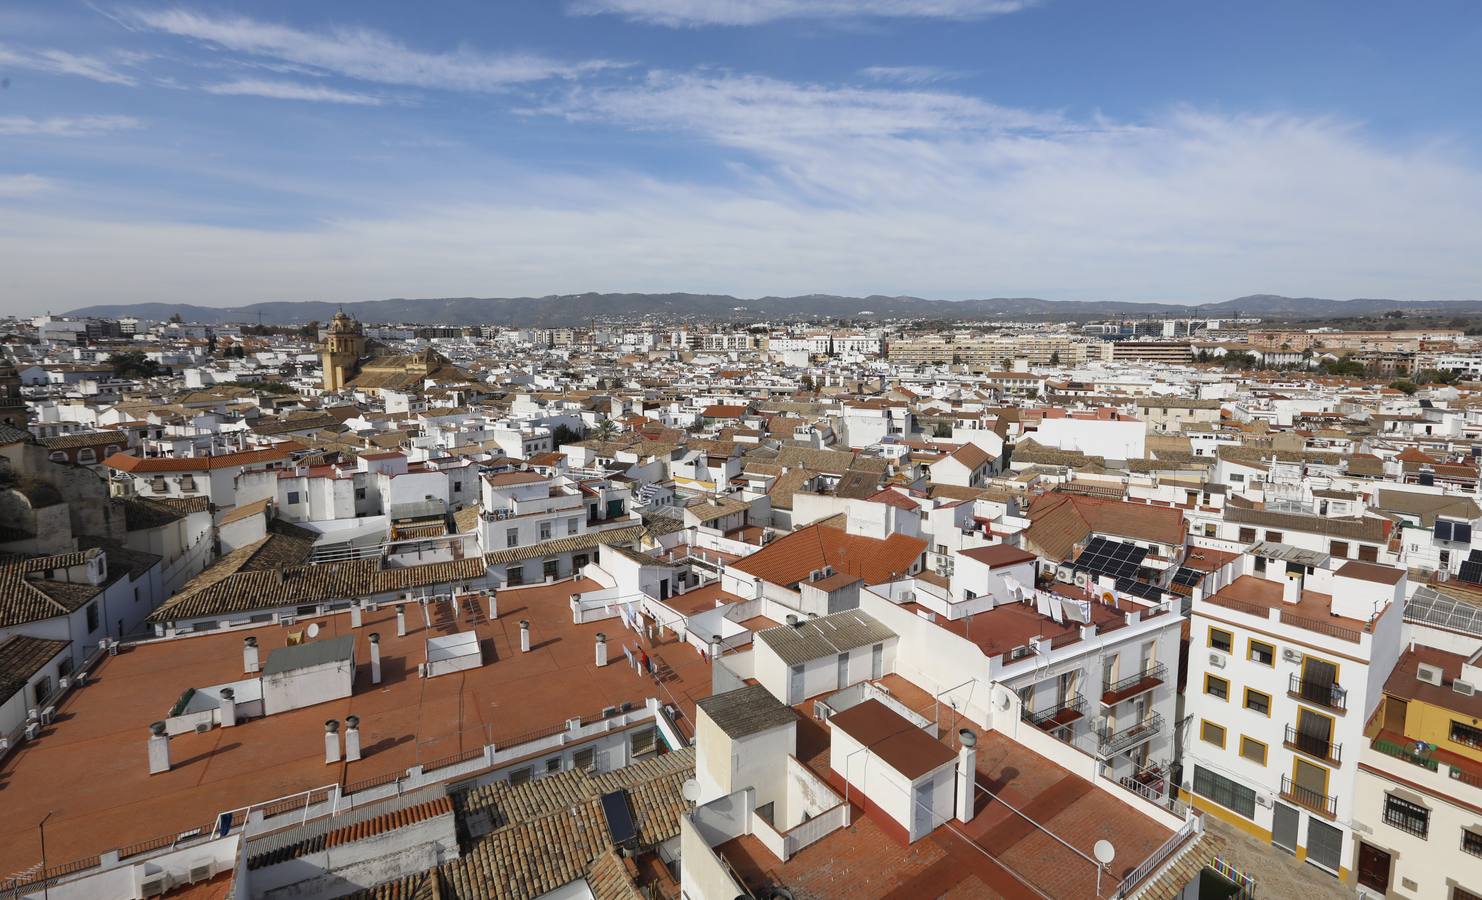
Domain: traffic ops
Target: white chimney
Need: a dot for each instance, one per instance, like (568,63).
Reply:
(493,606)
(159,749)
(601,649)
(575,603)
(352,738)
(1291,590)
(228,708)
(249,655)
(355,614)
(401,621)
(331,741)
(714,646)
(524,635)
(375,651)
(967,774)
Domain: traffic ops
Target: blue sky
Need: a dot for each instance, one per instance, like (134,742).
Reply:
(1078,149)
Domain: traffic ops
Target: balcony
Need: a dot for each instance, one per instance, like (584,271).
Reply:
(1112,742)
(1318,693)
(1309,799)
(1318,747)
(1115,692)
(1057,716)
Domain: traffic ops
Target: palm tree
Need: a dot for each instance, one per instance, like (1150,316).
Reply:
(604,430)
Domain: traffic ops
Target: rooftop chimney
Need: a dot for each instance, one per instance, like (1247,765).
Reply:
(355,614)
(401,621)
(967,773)
(249,655)
(792,620)
(159,749)
(1291,590)
(375,651)
(493,606)
(331,742)
(524,635)
(715,646)
(352,738)
(601,649)
(228,708)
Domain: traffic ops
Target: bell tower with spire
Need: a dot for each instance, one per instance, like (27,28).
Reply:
(344,345)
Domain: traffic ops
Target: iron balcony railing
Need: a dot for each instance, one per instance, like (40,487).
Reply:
(1129,736)
(1322,693)
(1075,703)
(1155,674)
(1306,797)
(1314,745)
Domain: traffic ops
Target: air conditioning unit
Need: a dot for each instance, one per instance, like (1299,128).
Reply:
(1291,655)
(1428,673)
(1217,660)
(155,885)
(1463,687)
(200,870)
(909,597)
(1082,580)
(1262,800)
(203,727)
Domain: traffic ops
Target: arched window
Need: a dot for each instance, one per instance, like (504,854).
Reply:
(58,456)
(87,456)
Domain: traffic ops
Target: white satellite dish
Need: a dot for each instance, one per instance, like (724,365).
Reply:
(690,790)
(313,630)
(1105,852)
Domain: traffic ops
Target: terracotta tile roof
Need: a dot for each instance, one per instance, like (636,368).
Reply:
(146,465)
(1058,521)
(790,559)
(24,597)
(85,439)
(22,656)
(586,541)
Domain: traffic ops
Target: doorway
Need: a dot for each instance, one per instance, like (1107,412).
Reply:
(1373,867)
(1284,822)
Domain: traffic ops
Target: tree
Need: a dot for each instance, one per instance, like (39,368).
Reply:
(1404,386)
(605,430)
(1345,367)
(1055,358)
(310,330)
(1395,314)
(134,364)
(806,384)
(562,435)
(176,319)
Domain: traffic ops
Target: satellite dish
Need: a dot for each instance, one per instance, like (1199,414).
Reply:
(1105,852)
(690,790)
(313,630)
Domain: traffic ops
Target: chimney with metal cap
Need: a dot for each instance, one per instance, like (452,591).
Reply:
(228,708)
(601,649)
(715,646)
(159,749)
(524,635)
(352,738)
(401,621)
(249,655)
(331,741)
(967,774)
(375,651)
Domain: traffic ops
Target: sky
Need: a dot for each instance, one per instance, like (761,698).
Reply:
(220,154)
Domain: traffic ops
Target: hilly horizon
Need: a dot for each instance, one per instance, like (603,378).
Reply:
(576,309)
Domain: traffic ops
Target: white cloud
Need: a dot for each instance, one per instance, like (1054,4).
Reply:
(60,62)
(362,53)
(289,90)
(65,126)
(693,13)
(754,111)
(23,185)
(908,74)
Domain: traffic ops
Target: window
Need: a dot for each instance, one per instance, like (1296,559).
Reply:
(1212,733)
(1257,702)
(584,758)
(1471,841)
(187,482)
(457,487)
(1247,535)
(520,776)
(545,531)
(1227,793)
(553,764)
(515,576)
(58,456)
(1217,687)
(1466,734)
(1368,554)
(87,455)
(572,525)
(1252,749)
(1338,549)
(511,537)
(1261,652)
(643,741)
(92,617)
(1260,565)
(360,493)
(292,498)
(1274,536)
(1219,639)
(1411,818)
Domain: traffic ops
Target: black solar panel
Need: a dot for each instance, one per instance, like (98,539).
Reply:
(1187,577)
(1139,589)
(1470,572)
(1113,558)
(619,818)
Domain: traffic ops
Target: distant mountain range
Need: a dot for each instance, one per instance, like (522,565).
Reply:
(578,309)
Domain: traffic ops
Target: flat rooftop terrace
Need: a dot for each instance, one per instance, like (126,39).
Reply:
(991,856)
(90,768)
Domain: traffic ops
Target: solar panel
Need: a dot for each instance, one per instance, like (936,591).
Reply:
(1431,607)
(1187,577)
(1470,572)
(619,818)
(1139,589)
